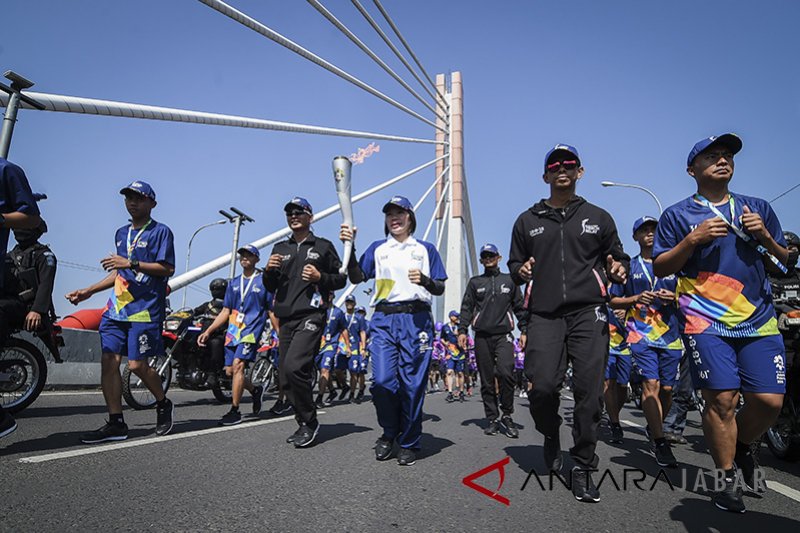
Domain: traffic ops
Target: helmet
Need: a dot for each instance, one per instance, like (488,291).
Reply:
(218,286)
(439,326)
(791,238)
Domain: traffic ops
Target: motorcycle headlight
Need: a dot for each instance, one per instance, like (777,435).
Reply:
(172,325)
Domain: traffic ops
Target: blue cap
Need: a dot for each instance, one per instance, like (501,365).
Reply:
(400,201)
(639,222)
(562,148)
(250,248)
(730,140)
(350,298)
(140,187)
(453,313)
(489,248)
(299,202)
(361,309)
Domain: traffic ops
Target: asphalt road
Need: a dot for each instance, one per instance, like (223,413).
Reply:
(203,478)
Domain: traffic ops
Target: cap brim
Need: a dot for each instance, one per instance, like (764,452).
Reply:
(562,151)
(128,189)
(645,223)
(240,250)
(290,206)
(387,205)
(730,140)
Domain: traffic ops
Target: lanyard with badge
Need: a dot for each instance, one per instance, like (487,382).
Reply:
(132,245)
(242,293)
(652,280)
(738,231)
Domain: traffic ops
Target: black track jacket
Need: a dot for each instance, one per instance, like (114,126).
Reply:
(570,247)
(488,304)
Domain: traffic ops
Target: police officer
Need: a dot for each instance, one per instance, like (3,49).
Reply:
(487,306)
(18,210)
(35,267)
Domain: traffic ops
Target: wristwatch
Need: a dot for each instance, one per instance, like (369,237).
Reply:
(134,264)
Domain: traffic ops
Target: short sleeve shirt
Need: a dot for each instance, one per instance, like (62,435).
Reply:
(139,297)
(355,325)
(388,261)
(335,325)
(15,196)
(249,303)
(617,343)
(723,287)
(657,324)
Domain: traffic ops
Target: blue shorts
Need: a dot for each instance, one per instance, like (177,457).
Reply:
(456,365)
(618,368)
(246,351)
(136,340)
(750,364)
(341,361)
(358,364)
(326,358)
(657,363)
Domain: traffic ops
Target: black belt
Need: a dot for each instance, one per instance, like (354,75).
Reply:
(405,307)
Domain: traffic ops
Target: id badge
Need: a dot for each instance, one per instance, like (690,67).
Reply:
(139,277)
(316,300)
(240,318)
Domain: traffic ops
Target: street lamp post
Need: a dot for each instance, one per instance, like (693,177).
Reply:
(237,220)
(189,252)
(632,186)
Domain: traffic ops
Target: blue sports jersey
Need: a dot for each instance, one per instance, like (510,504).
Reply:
(656,324)
(617,336)
(723,288)
(15,196)
(249,314)
(388,261)
(355,325)
(335,325)
(450,340)
(139,297)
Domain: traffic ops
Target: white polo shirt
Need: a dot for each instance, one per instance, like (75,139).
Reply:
(388,261)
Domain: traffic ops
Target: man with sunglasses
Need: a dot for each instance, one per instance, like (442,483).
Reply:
(302,271)
(488,303)
(568,248)
(721,245)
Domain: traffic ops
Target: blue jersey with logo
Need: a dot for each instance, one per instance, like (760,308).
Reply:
(355,325)
(334,327)
(15,196)
(657,324)
(139,297)
(617,336)
(248,315)
(389,260)
(723,287)
(450,339)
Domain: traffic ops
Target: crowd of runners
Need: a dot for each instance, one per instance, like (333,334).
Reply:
(691,310)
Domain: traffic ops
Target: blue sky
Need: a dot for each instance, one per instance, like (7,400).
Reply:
(632,84)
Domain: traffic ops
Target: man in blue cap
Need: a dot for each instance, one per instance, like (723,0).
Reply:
(490,301)
(357,330)
(18,210)
(328,355)
(653,335)
(456,363)
(302,271)
(131,325)
(721,244)
(245,310)
(569,249)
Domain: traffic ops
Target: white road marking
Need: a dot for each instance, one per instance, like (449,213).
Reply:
(789,492)
(631,424)
(151,440)
(70,393)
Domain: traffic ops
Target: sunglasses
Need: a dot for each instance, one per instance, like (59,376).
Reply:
(295,213)
(568,165)
(488,256)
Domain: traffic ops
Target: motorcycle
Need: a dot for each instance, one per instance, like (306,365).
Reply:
(192,364)
(23,367)
(783,438)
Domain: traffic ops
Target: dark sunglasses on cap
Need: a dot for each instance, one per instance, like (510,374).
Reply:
(568,165)
(488,255)
(295,213)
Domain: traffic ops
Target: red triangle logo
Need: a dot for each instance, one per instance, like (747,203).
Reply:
(469,481)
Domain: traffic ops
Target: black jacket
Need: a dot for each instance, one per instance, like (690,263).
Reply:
(488,303)
(35,269)
(570,247)
(293,295)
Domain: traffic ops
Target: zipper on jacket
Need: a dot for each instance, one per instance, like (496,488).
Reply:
(563,267)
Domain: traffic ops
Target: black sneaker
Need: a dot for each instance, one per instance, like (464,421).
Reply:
(306,435)
(462,398)
(294,436)
(231,418)
(344,392)
(277,408)
(675,438)
(492,428)
(664,455)
(383,449)
(552,454)
(583,487)
(164,417)
(616,433)
(258,393)
(106,433)
(330,398)
(7,425)
(508,427)
(449,397)
(406,457)
(351,397)
(319,403)
(746,466)
(360,396)
(730,497)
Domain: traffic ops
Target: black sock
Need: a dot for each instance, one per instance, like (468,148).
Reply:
(615,425)
(730,474)
(116,419)
(162,403)
(660,441)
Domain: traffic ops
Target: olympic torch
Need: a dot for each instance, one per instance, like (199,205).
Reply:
(341,175)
